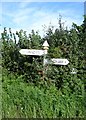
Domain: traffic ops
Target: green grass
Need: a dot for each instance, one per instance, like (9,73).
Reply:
(24,100)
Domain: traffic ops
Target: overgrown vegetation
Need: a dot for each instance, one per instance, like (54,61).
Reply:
(60,94)
(30,101)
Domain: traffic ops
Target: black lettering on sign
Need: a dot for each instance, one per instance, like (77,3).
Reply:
(60,61)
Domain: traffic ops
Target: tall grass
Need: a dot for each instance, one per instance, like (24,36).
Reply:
(23,100)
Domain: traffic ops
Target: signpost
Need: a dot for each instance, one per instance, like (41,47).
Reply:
(32,52)
(56,61)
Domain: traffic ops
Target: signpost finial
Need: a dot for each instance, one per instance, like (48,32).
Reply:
(45,45)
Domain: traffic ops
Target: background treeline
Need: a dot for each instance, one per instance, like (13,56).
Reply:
(61,93)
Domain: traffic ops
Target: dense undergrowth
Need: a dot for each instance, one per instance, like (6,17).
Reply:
(26,100)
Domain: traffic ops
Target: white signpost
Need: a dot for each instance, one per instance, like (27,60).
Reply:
(56,61)
(32,52)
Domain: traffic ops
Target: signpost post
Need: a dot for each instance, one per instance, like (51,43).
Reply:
(45,47)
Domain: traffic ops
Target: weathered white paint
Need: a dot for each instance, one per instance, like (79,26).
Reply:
(56,61)
(32,52)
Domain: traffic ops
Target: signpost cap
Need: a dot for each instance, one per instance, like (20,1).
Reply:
(45,45)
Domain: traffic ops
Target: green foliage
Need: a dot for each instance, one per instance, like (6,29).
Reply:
(13,60)
(63,44)
(22,100)
(63,91)
(55,52)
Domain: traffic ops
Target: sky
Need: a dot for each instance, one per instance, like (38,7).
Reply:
(85,7)
(39,15)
